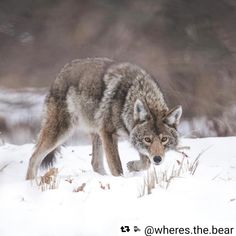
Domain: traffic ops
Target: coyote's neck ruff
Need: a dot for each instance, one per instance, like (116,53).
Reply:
(105,99)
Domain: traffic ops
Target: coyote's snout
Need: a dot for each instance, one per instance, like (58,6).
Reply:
(107,99)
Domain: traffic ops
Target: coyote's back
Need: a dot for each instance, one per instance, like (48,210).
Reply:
(106,99)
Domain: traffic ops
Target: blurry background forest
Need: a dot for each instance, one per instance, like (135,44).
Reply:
(188,45)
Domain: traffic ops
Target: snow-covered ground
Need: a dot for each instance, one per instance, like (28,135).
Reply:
(106,203)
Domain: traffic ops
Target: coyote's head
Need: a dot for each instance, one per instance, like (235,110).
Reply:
(153,135)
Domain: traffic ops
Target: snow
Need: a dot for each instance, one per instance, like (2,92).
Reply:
(21,105)
(106,203)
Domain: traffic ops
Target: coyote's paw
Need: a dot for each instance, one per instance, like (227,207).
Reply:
(132,166)
(138,165)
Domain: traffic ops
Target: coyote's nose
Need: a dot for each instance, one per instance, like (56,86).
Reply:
(157,160)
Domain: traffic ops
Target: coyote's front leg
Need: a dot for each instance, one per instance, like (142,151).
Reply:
(111,150)
(97,155)
(142,164)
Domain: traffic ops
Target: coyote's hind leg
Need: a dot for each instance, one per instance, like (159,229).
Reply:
(97,155)
(40,152)
(55,130)
(46,145)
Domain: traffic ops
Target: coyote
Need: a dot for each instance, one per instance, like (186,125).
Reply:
(107,99)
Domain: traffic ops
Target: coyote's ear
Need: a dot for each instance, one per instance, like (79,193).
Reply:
(173,116)
(140,111)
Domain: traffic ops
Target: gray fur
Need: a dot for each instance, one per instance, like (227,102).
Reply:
(106,99)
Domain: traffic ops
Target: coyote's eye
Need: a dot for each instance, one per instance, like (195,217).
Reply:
(164,140)
(147,140)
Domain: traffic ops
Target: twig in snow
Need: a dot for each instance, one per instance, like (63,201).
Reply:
(80,188)
(5,166)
